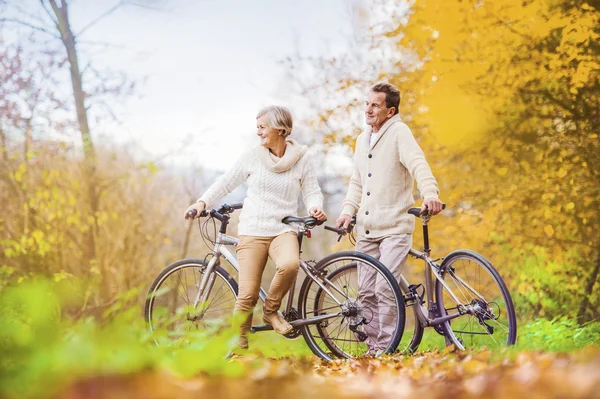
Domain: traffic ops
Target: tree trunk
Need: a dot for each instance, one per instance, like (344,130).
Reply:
(3,151)
(26,178)
(68,39)
(186,242)
(585,303)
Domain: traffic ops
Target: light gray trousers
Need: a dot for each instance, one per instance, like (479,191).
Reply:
(379,307)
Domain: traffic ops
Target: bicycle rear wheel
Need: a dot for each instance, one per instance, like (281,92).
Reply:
(169,304)
(364,301)
(476,283)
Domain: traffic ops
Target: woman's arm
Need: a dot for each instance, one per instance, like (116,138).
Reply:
(227,182)
(311,192)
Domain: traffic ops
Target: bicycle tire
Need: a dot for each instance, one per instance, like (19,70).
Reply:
(162,277)
(304,301)
(456,330)
(417,330)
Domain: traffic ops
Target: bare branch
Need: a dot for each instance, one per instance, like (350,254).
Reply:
(29,15)
(25,23)
(101,17)
(136,4)
(50,15)
(103,44)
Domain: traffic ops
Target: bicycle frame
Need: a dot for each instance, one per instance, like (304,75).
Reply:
(221,249)
(428,315)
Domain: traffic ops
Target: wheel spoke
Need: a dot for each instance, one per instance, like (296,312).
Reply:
(165,310)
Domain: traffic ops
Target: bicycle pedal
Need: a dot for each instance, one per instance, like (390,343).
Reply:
(261,327)
(414,287)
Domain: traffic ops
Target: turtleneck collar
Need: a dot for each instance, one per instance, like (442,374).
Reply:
(293,153)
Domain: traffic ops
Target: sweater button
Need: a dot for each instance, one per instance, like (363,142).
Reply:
(370,156)
(367,232)
(368,193)
(367,212)
(369,175)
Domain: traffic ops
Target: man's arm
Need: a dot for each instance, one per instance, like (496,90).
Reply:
(352,202)
(413,159)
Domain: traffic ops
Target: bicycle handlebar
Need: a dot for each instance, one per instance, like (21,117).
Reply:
(343,232)
(224,209)
(339,231)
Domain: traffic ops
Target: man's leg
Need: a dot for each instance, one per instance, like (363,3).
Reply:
(394,252)
(366,291)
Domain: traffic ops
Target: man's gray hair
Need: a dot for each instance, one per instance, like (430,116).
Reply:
(278,118)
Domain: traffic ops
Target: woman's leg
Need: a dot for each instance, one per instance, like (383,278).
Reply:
(252,255)
(285,253)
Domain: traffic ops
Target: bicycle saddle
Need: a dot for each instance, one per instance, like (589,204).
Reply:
(415,212)
(308,221)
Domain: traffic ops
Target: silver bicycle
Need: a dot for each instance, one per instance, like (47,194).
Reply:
(336,313)
(466,300)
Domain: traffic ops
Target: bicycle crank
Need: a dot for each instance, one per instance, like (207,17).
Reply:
(292,315)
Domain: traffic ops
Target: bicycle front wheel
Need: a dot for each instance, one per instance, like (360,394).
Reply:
(364,302)
(490,320)
(170,301)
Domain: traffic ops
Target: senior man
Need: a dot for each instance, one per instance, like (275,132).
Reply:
(387,161)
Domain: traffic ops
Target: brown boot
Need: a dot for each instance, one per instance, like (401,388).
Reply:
(244,328)
(277,322)
(243,341)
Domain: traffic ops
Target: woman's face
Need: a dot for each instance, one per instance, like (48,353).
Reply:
(268,136)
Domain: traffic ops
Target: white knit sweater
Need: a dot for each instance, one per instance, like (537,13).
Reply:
(380,190)
(274,185)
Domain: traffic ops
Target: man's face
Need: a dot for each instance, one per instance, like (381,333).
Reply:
(376,111)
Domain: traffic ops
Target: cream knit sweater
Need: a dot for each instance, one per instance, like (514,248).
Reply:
(380,191)
(274,185)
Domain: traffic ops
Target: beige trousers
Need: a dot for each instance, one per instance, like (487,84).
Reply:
(392,251)
(252,254)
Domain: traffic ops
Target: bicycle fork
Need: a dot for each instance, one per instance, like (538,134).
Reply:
(208,279)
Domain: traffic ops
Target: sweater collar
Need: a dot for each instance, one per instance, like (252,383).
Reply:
(293,153)
(384,128)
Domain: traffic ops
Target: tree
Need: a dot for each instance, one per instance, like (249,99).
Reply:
(58,14)
(503,96)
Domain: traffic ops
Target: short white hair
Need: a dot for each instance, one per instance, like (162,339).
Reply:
(278,118)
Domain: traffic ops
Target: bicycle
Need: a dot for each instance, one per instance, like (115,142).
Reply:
(330,313)
(469,303)
(482,311)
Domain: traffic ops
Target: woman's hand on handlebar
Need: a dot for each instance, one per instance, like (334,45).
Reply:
(318,214)
(198,207)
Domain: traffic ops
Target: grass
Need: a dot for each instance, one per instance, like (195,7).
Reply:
(42,351)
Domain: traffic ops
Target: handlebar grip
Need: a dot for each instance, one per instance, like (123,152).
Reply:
(237,206)
(426,213)
(192,213)
(339,231)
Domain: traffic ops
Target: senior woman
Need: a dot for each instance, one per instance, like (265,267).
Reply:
(276,172)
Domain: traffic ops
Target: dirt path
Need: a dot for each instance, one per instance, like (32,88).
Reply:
(429,375)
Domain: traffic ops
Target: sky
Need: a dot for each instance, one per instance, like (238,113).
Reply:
(207,67)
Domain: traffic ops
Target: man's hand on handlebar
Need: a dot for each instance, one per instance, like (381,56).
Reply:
(343,222)
(433,206)
(198,207)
